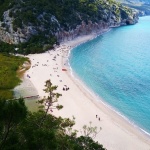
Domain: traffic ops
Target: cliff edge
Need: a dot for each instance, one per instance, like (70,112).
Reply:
(48,22)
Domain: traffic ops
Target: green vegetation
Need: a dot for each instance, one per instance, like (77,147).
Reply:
(143,8)
(24,130)
(69,14)
(5,5)
(135,2)
(6,48)
(36,44)
(9,65)
(141,5)
(46,17)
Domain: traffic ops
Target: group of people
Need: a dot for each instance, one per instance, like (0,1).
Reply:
(65,88)
(54,58)
(44,64)
(98,117)
(28,76)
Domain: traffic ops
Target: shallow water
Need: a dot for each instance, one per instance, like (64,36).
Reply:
(26,89)
(116,67)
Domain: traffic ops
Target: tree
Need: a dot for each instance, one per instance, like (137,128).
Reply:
(48,102)
(22,130)
(12,112)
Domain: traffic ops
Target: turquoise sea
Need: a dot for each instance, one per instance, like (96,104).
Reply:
(116,67)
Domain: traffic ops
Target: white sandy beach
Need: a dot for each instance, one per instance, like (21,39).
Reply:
(116,133)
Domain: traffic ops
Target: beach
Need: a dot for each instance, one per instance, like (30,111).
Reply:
(78,102)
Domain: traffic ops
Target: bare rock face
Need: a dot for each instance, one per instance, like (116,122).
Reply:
(7,33)
(113,17)
(12,38)
(89,27)
(82,29)
(131,20)
(5,36)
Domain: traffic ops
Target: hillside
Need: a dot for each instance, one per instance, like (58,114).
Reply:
(143,6)
(135,1)
(34,26)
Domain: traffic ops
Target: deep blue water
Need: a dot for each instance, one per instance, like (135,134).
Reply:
(116,66)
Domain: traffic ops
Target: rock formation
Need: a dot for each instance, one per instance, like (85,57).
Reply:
(109,14)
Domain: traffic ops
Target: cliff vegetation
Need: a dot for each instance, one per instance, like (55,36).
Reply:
(142,6)
(35,25)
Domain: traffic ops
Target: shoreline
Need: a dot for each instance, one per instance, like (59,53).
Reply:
(98,99)
(75,78)
(116,132)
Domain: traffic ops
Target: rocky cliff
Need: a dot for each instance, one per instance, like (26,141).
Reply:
(141,6)
(63,19)
(135,1)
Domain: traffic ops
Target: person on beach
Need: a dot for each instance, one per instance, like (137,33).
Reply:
(96,116)
(99,119)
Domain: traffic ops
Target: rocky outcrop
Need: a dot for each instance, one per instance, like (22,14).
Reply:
(15,37)
(82,29)
(111,15)
(97,27)
(7,33)
(135,1)
(130,20)
(23,35)
(142,7)
(20,36)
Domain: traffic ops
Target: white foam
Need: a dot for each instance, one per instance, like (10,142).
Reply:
(97,97)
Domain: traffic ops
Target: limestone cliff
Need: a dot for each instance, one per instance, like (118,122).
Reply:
(61,19)
(141,6)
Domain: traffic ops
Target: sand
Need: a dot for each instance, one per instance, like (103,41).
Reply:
(116,133)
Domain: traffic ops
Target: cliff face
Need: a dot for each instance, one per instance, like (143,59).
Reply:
(141,6)
(135,1)
(61,19)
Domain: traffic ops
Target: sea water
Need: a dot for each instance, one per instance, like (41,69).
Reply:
(116,67)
